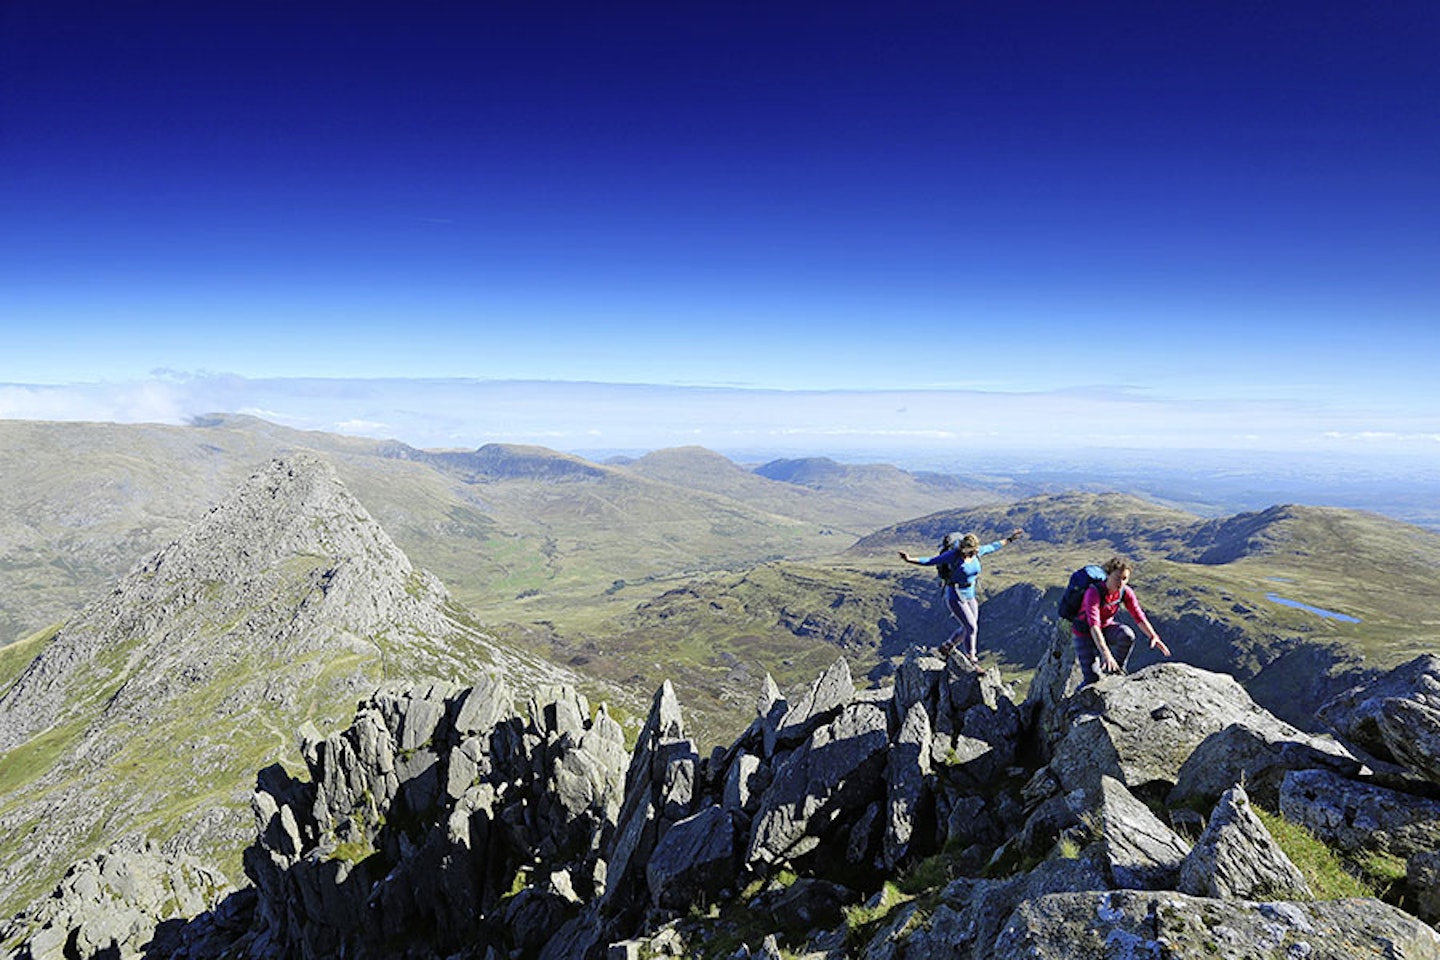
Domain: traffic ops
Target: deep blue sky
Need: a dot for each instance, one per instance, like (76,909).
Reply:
(1201,201)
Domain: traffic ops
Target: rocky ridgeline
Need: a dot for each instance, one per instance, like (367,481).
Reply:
(443,824)
(149,713)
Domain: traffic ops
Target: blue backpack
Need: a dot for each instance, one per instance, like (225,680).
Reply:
(945,571)
(1081,580)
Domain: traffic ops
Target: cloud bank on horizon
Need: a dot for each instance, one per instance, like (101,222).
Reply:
(587,417)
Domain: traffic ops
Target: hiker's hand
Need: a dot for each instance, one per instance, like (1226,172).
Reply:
(1157,644)
(1109,663)
(906,557)
(1015,534)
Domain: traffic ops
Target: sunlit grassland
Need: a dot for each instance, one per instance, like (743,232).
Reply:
(15,657)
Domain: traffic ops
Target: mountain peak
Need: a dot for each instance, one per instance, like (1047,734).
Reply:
(285,602)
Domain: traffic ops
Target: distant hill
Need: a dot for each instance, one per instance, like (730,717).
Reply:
(1223,592)
(866,496)
(149,712)
(504,526)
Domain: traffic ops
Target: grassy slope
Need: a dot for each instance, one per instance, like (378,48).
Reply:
(716,636)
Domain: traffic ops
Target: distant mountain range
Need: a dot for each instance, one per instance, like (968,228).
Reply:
(80,503)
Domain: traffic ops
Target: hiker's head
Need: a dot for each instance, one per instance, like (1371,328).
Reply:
(1117,571)
(969,545)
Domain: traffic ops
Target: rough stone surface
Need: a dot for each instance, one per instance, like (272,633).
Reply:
(1422,877)
(1358,816)
(1257,755)
(1140,729)
(1355,714)
(906,770)
(694,861)
(1237,857)
(814,786)
(1174,926)
(1138,849)
(111,905)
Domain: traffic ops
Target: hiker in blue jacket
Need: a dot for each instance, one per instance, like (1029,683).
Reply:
(959,566)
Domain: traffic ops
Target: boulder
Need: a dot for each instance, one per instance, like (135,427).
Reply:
(1257,753)
(659,792)
(1357,816)
(1411,729)
(830,692)
(694,861)
(823,784)
(1139,851)
(972,913)
(906,771)
(1175,926)
(111,904)
(1141,728)
(1422,877)
(1355,714)
(1237,857)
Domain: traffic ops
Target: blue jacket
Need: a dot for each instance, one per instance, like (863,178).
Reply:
(962,575)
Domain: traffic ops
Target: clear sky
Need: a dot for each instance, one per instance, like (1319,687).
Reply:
(1209,206)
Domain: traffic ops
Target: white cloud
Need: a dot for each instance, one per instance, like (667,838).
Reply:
(467,413)
(363,428)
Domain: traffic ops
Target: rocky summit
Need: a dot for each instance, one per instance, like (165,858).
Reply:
(149,714)
(934,818)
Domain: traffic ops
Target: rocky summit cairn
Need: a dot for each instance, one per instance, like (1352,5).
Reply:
(149,713)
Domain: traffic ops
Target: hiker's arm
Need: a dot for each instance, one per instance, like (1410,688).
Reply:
(1132,603)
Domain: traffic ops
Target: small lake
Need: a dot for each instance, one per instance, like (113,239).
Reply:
(1330,614)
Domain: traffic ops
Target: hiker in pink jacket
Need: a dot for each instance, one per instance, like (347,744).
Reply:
(1099,640)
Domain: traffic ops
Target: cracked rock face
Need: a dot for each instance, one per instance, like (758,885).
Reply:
(1237,857)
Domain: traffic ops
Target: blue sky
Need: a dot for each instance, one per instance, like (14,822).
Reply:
(1218,210)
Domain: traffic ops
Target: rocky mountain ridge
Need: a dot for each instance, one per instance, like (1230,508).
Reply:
(441,823)
(148,714)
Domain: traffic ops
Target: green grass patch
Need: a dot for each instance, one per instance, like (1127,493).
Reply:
(1323,870)
(15,657)
(38,755)
(878,908)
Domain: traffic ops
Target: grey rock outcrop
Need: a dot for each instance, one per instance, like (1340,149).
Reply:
(1139,851)
(1258,754)
(1356,816)
(1359,714)
(427,840)
(1142,728)
(441,823)
(111,904)
(1237,858)
(1151,926)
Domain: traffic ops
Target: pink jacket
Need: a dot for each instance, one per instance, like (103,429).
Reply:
(1097,611)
